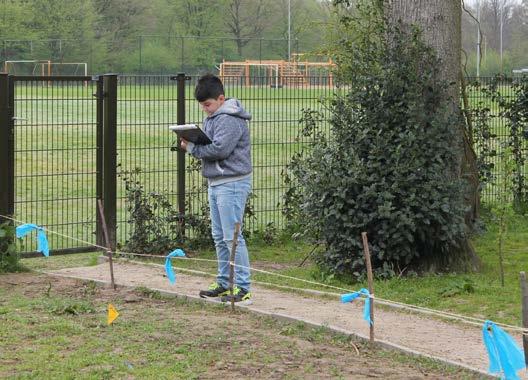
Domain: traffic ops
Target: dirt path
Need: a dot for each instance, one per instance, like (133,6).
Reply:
(450,342)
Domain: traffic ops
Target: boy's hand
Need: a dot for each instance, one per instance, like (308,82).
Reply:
(183,144)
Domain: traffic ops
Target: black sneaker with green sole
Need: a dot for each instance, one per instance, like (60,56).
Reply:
(239,295)
(214,290)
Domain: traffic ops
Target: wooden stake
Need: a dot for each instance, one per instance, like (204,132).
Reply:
(107,241)
(366,251)
(524,295)
(232,265)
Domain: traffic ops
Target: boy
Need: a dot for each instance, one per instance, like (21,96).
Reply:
(226,163)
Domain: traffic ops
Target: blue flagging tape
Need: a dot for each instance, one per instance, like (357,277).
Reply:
(168,264)
(505,356)
(349,297)
(42,240)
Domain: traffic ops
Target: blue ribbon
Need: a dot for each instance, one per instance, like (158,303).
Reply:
(505,356)
(42,240)
(168,264)
(349,297)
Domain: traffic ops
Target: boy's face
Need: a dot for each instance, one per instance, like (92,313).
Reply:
(211,105)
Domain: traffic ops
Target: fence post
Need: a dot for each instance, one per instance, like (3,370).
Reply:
(182,54)
(5,51)
(370,280)
(524,310)
(7,146)
(110,156)
(99,233)
(140,54)
(180,119)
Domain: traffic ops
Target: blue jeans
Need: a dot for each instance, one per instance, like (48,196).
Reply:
(227,203)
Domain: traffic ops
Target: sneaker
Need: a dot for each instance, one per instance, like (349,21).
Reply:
(239,295)
(214,290)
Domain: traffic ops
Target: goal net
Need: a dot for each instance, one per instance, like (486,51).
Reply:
(28,67)
(68,68)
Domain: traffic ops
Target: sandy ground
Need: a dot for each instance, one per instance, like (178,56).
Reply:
(453,342)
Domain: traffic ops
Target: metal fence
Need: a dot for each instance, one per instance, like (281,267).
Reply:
(499,128)
(67,141)
(145,54)
(147,105)
(72,139)
(53,139)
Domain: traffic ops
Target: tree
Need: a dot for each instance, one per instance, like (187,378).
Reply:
(308,19)
(246,19)
(440,22)
(519,33)
(493,13)
(199,18)
(15,20)
(385,167)
(119,24)
(121,19)
(15,24)
(61,21)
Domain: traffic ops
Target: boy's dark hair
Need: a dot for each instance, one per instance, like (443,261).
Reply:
(209,86)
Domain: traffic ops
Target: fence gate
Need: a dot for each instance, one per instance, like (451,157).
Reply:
(51,163)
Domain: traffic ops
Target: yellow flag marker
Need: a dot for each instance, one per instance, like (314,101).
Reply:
(112,313)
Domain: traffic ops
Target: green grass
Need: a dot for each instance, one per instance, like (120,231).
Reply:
(56,149)
(61,261)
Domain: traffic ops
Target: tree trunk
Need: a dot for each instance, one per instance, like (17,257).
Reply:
(440,22)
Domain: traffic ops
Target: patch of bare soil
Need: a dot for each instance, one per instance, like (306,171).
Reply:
(252,346)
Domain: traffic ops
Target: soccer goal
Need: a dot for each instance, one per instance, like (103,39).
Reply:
(45,68)
(28,67)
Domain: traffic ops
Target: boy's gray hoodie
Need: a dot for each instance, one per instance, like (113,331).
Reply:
(228,157)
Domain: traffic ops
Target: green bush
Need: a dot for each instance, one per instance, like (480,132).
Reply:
(157,226)
(9,257)
(385,167)
(484,140)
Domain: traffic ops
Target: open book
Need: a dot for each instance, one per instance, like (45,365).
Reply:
(192,133)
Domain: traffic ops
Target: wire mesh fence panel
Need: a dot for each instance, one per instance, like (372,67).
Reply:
(146,107)
(55,158)
(56,145)
(499,132)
